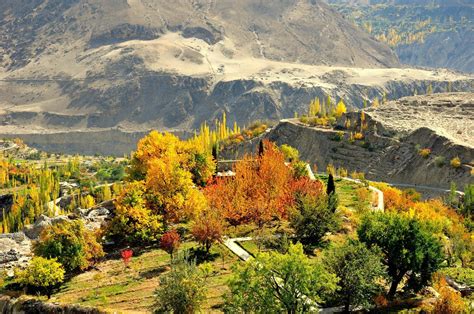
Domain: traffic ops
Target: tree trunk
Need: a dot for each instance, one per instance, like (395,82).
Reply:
(347,305)
(394,286)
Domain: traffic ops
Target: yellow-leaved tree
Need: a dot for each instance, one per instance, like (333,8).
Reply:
(340,109)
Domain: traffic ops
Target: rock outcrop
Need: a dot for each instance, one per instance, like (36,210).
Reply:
(10,305)
(15,248)
(390,149)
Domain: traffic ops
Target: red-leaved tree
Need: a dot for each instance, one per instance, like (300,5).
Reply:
(170,242)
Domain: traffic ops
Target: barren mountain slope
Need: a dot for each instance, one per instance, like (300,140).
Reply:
(290,30)
(90,65)
(449,115)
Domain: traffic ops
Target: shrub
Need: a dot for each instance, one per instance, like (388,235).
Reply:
(461,275)
(312,219)
(183,289)
(425,152)
(358,175)
(299,169)
(339,136)
(304,120)
(291,154)
(74,246)
(450,301)
(42,274)
(170,242)
(358,136)
(440,161)
(456,162)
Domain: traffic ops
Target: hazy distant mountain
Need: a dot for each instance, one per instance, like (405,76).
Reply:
(433,33)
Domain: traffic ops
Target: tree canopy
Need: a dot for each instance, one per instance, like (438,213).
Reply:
(407,244)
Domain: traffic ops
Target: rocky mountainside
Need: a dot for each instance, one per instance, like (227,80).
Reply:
(428,33)
(390,150)
(126,66)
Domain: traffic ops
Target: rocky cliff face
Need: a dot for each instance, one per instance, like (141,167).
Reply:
(386,153)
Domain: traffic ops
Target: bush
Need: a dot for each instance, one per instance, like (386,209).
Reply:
(291,154)
(456,162)
(71,244)
(170,242)
(358,136)
(425,152)
(299,169)
(339,136)
(450,301)
(460,275)
(183,289)
(312,220)
(440,161)
(42,275)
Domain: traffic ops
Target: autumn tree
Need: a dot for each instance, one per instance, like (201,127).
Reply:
(257,193)
(75,247)
(134,222)
(41,274)
(171,190)
(170,168)
(170,242)
(408,246)
(275,283)
(189,155)
(207,229)
(340,109)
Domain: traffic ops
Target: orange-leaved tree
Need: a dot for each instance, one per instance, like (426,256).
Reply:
(259,191)
(208,228)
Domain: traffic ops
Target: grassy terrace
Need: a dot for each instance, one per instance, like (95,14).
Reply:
(347,192)
(112,286)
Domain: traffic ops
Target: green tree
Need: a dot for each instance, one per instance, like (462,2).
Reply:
(408,246)
(70,243)
(275,283)
(313,219)
(359,270)
(183,289)
(41,274)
